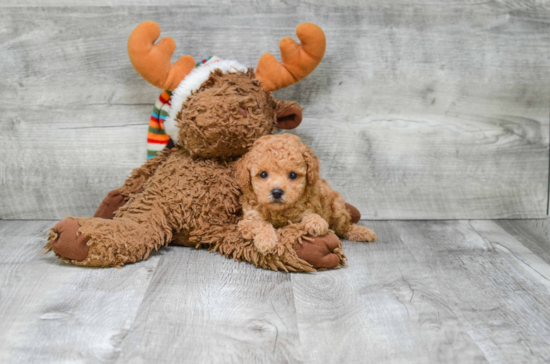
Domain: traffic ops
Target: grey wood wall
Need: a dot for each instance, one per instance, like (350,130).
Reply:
(419,111)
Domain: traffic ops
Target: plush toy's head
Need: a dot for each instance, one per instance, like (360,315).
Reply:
(277,171)
(220,109)
(228,113)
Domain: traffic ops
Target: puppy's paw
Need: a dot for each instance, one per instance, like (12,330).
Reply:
(247,228)
(315,225)
(266,240)
(361,233)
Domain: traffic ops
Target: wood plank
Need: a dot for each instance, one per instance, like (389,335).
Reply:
(427,111)
(433,167)
(383,307)
(500,300)
(515,250)
(52,312)
(505,4)
(64,162)
(534,234)
(206,308)
(427,292)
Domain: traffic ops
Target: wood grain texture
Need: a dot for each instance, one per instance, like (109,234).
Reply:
(427,292)
(203,308)
(505,4)
(418,111)
(534,234)
(52,312)
(383,307)
(495,286)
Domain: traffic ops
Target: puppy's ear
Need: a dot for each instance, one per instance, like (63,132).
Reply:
(289,114)
(243,172)
(312,163)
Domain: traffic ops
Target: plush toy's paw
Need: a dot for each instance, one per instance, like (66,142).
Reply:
(64,241)
(361,233)
(315,225)
(354,213)
(322,252)
(266,240)
(110,204)
(182,238)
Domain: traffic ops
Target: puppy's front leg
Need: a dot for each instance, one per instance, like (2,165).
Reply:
(262,232)
(315,225)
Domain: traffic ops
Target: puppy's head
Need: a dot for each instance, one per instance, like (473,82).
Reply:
(277,171)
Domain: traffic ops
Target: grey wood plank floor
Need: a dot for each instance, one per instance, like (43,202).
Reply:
(458,291)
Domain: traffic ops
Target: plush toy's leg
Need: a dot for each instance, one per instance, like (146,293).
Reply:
(322,252)
(133,184)
(143,224)
(325,251)
(99,242)
(295,252)
(102,243)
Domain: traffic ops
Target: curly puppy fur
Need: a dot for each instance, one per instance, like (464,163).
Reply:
(190,194)
(280,181)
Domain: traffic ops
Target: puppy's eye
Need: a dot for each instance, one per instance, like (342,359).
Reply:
(263,174)
(292,175)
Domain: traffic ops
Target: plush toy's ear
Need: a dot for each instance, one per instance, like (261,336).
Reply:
(313,168)
(243,172)
(289,114)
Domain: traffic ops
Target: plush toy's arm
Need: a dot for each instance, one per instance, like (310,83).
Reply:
(133,184)
(140,175)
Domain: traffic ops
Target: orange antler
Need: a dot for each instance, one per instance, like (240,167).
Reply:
(152,61)
(297,60)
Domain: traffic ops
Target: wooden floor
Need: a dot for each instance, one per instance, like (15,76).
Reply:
(427,292)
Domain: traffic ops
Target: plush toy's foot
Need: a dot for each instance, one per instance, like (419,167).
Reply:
(110,204)
(97,242)
(182,238)
(355,214)
(65,242)
(322,252)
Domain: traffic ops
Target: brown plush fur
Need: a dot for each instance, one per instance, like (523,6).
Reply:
(226,115)
(307,199)
(190,193)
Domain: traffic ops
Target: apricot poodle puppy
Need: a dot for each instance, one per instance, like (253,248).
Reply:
(280,183)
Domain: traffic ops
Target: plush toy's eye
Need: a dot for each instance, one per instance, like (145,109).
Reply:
(292,175)
(263,174)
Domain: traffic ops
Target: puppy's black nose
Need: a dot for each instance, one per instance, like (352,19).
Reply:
(277,193)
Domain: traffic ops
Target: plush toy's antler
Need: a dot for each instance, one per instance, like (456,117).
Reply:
(152,61)
(298,60)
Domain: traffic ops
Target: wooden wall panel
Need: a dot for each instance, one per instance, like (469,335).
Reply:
(418,111)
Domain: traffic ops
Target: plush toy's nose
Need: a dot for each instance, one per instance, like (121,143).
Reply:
(277,193)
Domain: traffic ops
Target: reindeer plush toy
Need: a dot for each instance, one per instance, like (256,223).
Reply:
(188,194)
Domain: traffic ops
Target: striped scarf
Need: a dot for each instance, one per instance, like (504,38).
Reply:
(157,139)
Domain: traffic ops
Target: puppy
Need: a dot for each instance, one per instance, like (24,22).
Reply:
(279,178)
